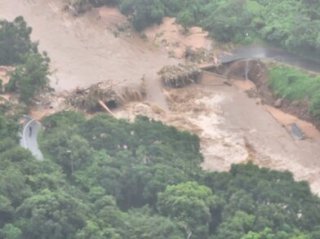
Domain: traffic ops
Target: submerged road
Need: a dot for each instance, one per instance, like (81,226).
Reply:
(29,137)
(265,52)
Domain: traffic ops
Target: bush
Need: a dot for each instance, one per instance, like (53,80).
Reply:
(294,84)
(15,41)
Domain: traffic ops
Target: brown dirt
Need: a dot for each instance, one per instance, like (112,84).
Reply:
(287,119)
(172,37)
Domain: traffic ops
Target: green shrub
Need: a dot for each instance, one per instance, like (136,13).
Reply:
(294,84)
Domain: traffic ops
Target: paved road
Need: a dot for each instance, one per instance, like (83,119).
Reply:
(29,137)
(261,52)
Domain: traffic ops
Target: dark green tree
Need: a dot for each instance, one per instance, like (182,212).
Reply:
(190,204)
(52,215)
(30,78)
(15,41)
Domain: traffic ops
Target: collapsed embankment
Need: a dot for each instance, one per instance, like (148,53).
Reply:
(258,73)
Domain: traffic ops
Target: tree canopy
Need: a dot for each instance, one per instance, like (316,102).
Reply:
(31,67)
(108,178)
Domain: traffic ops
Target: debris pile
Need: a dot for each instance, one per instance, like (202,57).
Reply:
(180,75)
(198,55)
(89,99)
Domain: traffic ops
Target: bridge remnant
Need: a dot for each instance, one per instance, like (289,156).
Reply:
(180,75)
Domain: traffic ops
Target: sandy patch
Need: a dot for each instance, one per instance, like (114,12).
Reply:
(287,119)
(171,36)
(111,16)
(244,85)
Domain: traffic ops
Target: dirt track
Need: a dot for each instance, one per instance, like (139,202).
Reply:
(232,127)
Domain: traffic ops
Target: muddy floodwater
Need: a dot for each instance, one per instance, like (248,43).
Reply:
(232,127)
(84,50)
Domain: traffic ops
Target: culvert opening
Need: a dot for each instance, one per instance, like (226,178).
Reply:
(112,104)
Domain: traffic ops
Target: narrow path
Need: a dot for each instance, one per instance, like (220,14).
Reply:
(29,138)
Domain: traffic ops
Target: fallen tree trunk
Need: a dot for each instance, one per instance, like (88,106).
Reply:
(103,105)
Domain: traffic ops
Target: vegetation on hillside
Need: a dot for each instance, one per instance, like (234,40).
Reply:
(31,66)
(281,23)
(107,178)
(294,84)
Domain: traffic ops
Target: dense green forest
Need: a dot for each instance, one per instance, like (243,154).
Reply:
(291,24)
(109,178)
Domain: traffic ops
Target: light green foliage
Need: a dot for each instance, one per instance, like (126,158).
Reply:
(235,226)
(228,21)
(190,204)
(9,231)
(294,84)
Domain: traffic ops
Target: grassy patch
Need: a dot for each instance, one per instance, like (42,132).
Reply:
(294,84)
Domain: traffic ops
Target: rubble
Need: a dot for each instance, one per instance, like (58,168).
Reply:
(198,55)
(180,75)
(89,99)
